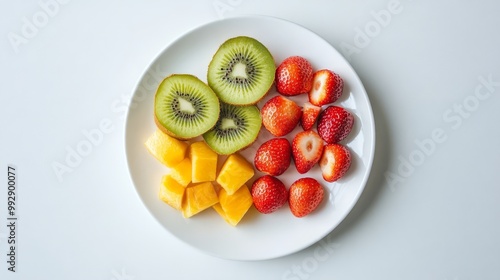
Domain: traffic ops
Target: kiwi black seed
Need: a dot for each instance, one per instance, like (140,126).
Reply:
(185,107)
(242,71)
(237,128)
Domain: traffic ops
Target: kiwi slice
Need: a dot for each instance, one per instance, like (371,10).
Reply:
(237,128)
(241,71)
(185,107)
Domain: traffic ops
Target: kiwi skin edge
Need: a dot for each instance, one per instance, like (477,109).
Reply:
(249,144)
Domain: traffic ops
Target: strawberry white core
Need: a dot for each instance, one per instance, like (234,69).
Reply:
(310,147)
(328,161)
(319,83)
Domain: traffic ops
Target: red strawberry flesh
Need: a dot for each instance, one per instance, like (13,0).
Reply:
(274,156)
(334,124)
(280,115)
(305,195)
(268,194)
(294,76)
(310,114)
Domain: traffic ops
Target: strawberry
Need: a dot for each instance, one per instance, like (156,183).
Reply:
(280,115)
(294,76)
(310,114)
(274,156)
(327,87)
(307,148)
(334,124)
(305,195)
(268,194)
(335,162)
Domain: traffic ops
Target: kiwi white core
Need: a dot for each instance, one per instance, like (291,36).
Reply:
(240,71)
(186,106)
(227,123)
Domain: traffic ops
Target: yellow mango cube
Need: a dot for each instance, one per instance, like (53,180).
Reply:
(171,192)
(182,172)
(233,207)
(203,162)
(166,149)
(235,172)
(198,198)
(220,211)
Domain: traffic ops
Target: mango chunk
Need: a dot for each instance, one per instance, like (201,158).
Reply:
(171,192)
(233,207)
(198,198)
(220,211)
(166,149)
(235,172)
(182,172)
(203,162)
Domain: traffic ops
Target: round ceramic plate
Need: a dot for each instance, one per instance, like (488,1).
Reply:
(257,236)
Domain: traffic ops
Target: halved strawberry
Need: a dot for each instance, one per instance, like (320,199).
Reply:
(334,124)
(310,114)
(268,194)
(294,76)
(335,162)
(307,148)
(305,195)
(274,156)
(280,115)
(327,87)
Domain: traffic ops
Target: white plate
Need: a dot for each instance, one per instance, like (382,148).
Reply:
(258,236)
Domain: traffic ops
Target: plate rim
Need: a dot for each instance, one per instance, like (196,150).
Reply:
(371,121)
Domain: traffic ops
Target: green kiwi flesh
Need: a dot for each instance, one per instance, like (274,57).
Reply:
(237,128)
(242,71)
(185,107)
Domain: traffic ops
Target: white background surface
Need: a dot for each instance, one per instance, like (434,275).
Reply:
(438,219)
